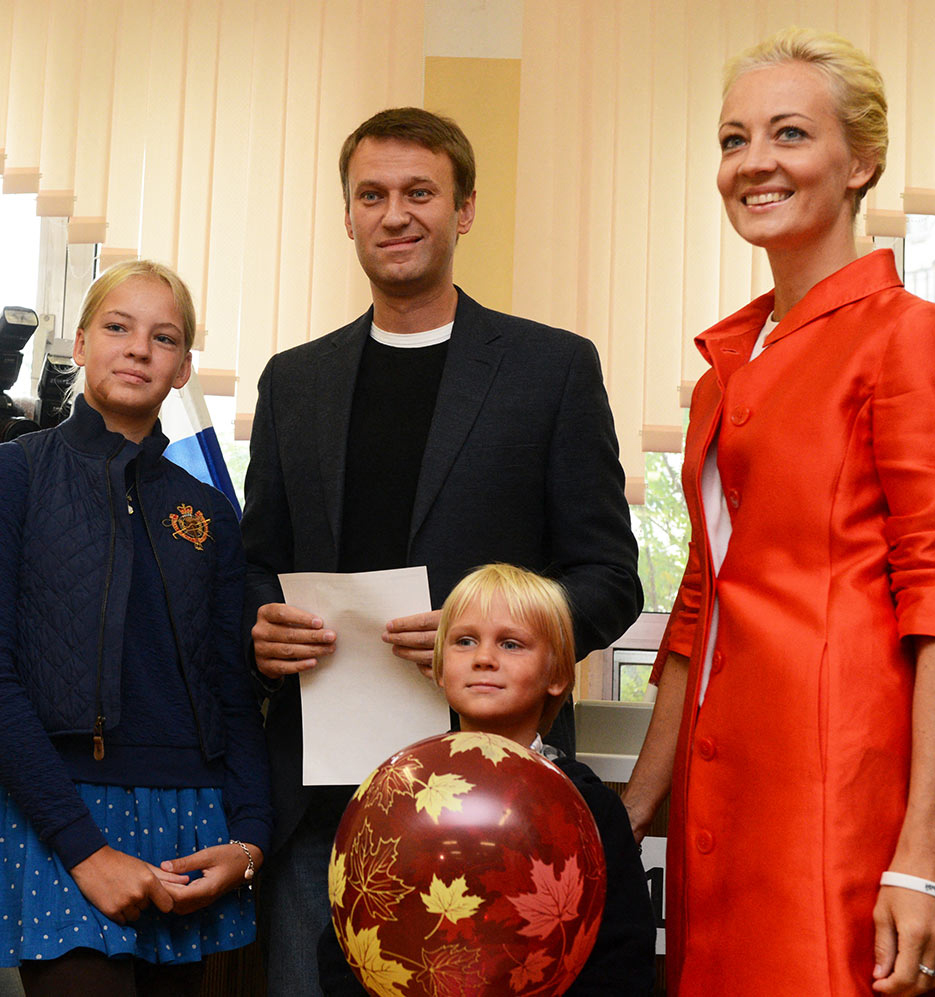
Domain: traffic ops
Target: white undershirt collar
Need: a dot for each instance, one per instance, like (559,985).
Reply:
(412,340)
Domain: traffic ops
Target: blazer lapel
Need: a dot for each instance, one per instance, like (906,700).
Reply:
(473,358)
(335,378)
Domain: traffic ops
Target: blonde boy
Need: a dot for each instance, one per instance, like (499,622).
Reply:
(504,654)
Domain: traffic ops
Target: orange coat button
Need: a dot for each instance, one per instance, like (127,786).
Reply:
(717,662)
(707,748)
(733,496)
(704,842)
(740,415)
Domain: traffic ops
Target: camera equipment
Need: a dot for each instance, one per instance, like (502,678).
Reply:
(16,328)
(58,373)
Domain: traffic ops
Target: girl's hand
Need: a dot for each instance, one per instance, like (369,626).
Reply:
(121,886)
(222,868)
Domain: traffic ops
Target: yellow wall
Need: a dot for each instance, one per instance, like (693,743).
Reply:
(482,95)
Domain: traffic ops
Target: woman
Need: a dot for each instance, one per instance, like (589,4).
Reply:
(134,795)
(797,674)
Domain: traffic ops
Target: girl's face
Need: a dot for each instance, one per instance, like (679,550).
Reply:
(496,672)
(787,175)
(133,352)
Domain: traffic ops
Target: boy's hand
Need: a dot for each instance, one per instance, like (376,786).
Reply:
(413,638)
(287,640)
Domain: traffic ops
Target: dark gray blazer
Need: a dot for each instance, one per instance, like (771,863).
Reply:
(521,465)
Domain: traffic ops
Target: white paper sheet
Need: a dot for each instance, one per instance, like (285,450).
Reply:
(362,703)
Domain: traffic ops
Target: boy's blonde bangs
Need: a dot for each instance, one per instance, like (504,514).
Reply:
(537,602)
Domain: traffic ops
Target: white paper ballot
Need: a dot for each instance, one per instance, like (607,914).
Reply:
(362,703)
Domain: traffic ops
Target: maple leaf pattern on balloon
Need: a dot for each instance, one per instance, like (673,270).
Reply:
(370,864)
(390,782)
(378,974)
(581,947)
(531,970)
(440,792)
(337,878)
(554,898)
(364,786)
(450,971)
(493,747)
(453,901)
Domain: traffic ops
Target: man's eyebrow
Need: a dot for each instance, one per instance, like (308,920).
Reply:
(415,181)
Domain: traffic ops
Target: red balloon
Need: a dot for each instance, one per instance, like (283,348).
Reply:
(467,864)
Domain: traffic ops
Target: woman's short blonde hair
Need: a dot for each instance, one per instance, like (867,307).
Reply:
(114,276)
(856,87)
(536,602)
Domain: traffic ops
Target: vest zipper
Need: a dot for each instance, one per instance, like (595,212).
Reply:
(175,634)
(97,739)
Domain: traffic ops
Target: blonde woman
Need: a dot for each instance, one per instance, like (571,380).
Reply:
(797,677)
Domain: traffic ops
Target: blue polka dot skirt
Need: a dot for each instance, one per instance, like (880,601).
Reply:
(43,914)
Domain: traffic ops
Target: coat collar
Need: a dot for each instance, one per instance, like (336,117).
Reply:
(334,394)
(474,355)
(84,431)
(727,345)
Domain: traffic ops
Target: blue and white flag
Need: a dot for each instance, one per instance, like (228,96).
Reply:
(194,444)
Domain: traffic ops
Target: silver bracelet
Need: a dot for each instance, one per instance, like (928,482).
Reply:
(251,867)
(916,883)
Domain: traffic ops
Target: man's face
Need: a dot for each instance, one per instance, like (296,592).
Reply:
(402,215)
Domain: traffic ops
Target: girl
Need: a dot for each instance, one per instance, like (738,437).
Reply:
(133,782)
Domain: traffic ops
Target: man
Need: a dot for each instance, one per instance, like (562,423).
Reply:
(429,431)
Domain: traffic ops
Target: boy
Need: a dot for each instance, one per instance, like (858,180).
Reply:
(504,654)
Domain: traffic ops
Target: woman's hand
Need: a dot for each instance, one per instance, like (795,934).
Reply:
(905,919)
(905,922)
(121,886)
(222,868)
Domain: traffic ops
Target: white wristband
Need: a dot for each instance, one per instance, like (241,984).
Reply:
(908,882)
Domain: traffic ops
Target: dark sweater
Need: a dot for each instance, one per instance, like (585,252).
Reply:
(394,398)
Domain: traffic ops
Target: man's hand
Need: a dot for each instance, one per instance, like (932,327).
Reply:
(413,638)
(287,640)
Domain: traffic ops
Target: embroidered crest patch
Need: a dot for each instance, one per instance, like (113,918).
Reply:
(188,525)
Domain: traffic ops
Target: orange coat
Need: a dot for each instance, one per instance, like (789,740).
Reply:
(790,781)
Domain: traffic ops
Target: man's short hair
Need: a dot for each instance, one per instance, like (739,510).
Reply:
(421,127)
(537,602)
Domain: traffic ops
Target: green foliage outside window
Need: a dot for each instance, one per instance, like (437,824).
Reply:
(662,531)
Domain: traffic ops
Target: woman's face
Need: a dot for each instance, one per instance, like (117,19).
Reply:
(787,175)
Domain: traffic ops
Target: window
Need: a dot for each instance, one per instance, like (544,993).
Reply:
(662,531)
(919,256)
(19,269)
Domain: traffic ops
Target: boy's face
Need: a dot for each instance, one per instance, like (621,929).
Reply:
(497,672)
